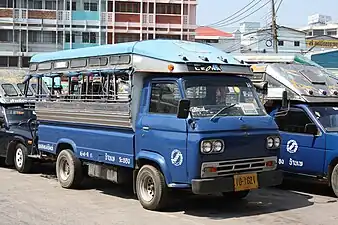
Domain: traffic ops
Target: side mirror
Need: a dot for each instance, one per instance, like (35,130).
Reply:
(183,109)
(285,99)
(311,128)
(262,87)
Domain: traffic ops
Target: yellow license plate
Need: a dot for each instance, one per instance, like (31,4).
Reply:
(244,182)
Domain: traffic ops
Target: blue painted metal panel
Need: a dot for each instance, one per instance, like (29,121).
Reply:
(111,146)
(171,50)
(85,15)
(303,153)
(327,60)
(79,45)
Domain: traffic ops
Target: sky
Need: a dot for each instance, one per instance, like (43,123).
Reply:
(293,13)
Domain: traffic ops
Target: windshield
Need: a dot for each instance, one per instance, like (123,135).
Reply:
(327,116)
(18,114)
(224,96)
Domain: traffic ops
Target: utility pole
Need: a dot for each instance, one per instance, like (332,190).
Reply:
(274,27)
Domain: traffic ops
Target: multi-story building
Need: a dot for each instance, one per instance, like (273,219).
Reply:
(321,33)
(28,27)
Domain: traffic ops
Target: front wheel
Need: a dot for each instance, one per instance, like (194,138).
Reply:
(69,169)
(22,162)
(334,180)
(235,195)
(151,189)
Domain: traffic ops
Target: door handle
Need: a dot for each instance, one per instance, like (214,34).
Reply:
(145,128)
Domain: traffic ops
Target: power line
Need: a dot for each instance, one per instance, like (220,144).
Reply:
(236,21)
(280,3)
(229,17)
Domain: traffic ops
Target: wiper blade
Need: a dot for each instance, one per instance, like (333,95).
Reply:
(221,110)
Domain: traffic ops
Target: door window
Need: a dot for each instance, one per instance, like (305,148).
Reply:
(164,98)
(294,121)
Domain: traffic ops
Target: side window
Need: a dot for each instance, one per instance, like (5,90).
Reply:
(294,122)
(164,98)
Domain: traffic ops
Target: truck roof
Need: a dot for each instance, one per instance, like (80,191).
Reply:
(167,50)
(160,56)
(303,82)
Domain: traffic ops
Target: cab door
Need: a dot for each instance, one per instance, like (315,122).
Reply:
(301,152)
(160,131)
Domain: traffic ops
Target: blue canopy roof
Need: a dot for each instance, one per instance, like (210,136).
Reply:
(168,50)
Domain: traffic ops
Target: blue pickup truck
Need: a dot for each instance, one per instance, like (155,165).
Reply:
(161,114)
(303,99)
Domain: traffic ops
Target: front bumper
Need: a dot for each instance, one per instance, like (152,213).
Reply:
(226,184)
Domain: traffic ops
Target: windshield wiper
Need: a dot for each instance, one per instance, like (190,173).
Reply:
(221,110)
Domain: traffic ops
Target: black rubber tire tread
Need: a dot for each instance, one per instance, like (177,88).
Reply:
(160,201)
(27,162)
(334,180)
(235,195)
(76,170)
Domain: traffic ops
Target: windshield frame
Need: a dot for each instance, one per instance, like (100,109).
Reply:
(241,80)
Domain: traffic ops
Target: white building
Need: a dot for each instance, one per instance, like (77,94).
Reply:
(261,40)
(228,42)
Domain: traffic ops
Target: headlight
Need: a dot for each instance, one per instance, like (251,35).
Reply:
(276,142)
(212,146)
(269,142)
(206,147)
(217,146)
(273,142)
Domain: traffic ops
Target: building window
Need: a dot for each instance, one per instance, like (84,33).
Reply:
(89,37)
(34,36)
(68,38)
(166,36)
(318,32)
(331,32)
(296,43)
(35,4)
(73,6)
(121,38)
(280,43)
(148,8)
(165,8)
(90,6)
(129,7)
(50,5)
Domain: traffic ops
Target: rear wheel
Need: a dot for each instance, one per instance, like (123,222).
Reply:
(22,162)
(151,188)
(69,169)
(235,195)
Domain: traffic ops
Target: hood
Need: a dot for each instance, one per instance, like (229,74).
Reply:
(20,131)
(234,123)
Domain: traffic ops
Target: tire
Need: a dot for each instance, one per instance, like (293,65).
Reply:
(69,170)
(334,180)
(22,162)
(235,195)
(151,189)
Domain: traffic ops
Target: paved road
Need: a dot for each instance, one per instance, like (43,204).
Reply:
(36,199)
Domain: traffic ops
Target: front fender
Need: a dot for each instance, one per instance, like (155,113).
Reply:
(159,160)
(10,148)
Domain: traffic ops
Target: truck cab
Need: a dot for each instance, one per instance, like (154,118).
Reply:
(16,127)
(307,119)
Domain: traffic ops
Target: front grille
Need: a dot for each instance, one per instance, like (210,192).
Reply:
(231,167)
